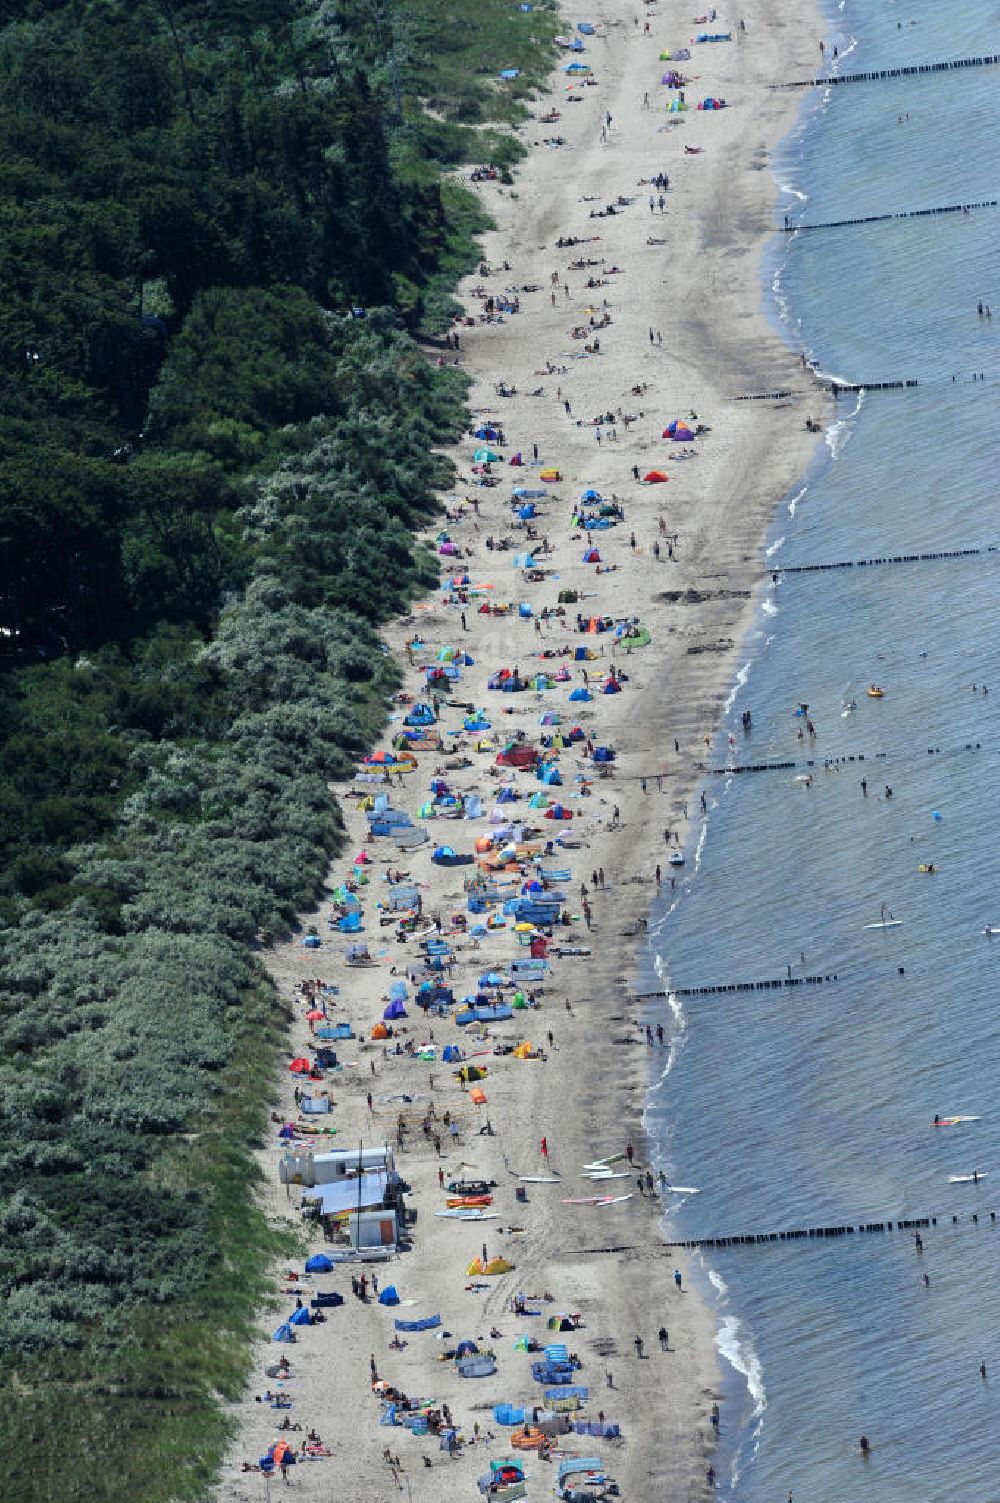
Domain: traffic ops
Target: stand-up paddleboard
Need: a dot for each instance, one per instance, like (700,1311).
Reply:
(965,1179)
(614,1200)
(594,1174)
(991,930)
(539,1179)
(682,1190)
(468,1215)
(954,1121)
(612,1158)
(885,924)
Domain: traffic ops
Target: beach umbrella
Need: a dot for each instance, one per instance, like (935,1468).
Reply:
(314,1015)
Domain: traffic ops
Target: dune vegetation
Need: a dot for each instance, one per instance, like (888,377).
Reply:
(225,228)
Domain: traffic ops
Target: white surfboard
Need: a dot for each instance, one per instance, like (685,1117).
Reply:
(468,1215)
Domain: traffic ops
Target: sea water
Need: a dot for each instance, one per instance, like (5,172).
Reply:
(813,1106)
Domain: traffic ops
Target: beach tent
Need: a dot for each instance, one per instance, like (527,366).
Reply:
(592,555)
(284,1333)
(301,1317)
(581,694)
(507,1414)
(319,1263)
(491,1269)
(388,1296)
(549,474)
(612,686)
(485,456)
(420,715)
(394,1010)
(654,477)
(510,73)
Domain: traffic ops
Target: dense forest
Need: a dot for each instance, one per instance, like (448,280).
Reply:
(224,223)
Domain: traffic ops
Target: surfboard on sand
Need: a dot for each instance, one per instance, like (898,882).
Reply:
(468,1215)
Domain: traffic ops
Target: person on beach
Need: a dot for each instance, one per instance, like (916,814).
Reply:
(677,1279)
(664,1339)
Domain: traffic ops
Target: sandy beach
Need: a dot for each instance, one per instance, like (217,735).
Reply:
(684,336)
